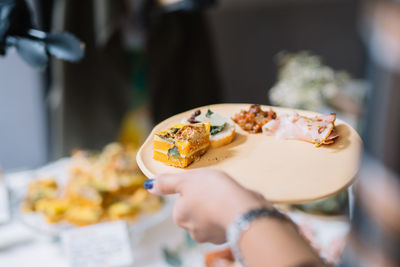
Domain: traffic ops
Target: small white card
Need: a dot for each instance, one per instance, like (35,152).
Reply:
(4,204)
(105,244)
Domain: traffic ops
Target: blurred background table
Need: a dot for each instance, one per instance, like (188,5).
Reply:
(22,246)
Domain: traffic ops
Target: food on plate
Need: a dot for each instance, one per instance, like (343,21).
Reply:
(38,190)
(83,214)
(319,130)
(52,208)
(120,210)
(100,187)
(181,144)
(222,131)
(253,119)
(221,258)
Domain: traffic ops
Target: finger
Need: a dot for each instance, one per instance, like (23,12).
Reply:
(179,213)
(203,236)
(197,236)
(258,195)
(164,184)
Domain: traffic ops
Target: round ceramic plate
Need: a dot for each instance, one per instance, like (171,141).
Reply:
(285,171)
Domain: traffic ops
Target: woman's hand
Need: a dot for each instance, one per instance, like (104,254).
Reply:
(209,201)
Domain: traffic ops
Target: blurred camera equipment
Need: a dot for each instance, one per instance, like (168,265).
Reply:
(34,46)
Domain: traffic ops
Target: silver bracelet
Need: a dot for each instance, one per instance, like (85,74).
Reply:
(242,223)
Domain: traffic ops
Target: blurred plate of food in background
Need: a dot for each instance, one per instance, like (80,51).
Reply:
(90,188)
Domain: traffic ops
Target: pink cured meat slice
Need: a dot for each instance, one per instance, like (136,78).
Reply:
(318,130)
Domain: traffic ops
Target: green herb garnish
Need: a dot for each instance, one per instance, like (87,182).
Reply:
(216,129)
(209,113)
(173,130)
(174,152)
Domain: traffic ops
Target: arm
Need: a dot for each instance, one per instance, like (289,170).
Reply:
(277,243)
(210,200)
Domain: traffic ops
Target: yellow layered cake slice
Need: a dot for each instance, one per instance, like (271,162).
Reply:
(181,144)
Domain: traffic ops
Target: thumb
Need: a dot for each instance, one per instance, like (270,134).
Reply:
(164,184)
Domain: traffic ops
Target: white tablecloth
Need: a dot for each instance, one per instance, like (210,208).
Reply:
(20,246)
(23,246)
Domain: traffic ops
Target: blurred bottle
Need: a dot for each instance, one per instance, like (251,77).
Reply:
(4,201)
(375,236)
(136,125)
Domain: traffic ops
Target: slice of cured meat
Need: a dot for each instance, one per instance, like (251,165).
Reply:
(318,130)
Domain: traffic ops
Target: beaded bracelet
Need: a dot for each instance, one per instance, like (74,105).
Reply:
(242,223)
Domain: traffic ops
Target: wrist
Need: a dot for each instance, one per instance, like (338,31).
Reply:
(240,207)
(242,223)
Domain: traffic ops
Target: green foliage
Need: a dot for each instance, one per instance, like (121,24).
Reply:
(216,129)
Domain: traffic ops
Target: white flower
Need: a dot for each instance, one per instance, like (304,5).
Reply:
(304,82)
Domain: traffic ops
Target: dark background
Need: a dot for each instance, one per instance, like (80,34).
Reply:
(248,36)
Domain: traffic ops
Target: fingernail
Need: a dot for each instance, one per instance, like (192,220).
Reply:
(149,184)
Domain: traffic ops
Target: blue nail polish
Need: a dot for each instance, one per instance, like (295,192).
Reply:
(148,184)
